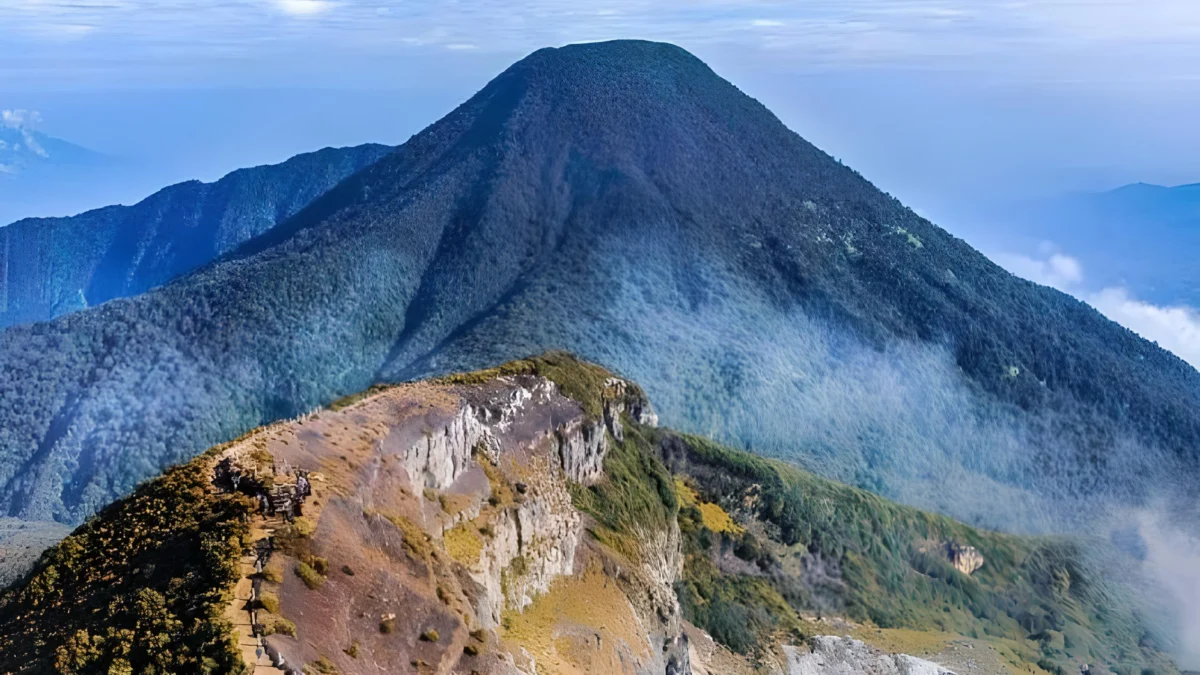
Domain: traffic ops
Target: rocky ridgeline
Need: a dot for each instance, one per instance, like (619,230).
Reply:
(478,480)
(500,457)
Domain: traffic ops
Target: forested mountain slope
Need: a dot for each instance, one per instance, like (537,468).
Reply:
(52,266)
(622,201)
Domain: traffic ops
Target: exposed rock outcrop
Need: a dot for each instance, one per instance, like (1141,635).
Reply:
(966,559)
(534,542)
(832,655)
(441,456)
(582,446)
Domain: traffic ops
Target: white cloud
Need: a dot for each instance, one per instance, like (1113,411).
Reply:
(1173,561)
(1056,271)
(19,119)
(1175,328)
(304,7)
(766,23)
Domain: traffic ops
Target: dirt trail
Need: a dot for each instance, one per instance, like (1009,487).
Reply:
(238,611)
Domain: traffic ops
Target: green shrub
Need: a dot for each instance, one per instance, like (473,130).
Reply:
(303,527)
(322,666)
(269,602)
(136,587)
(309,576)
(281,626)
(272,574)
(638,495)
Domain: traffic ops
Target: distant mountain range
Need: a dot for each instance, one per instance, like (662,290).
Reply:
(621,201)
(52,266)
(1142,236)
(43,174)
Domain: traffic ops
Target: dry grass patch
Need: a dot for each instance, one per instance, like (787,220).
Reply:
(712,516)
(463,544)
(455,504)
(591,600)
(415,539)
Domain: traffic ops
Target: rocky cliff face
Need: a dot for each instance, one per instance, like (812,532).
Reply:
(966,559)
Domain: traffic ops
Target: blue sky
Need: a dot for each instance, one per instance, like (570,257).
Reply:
(956,106)
(98,42)
(135,43)
(1079,92)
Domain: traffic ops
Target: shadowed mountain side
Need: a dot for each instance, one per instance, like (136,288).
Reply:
(622,201)
(53,266)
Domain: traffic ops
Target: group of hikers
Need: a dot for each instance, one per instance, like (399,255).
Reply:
(274,499)
(285,500)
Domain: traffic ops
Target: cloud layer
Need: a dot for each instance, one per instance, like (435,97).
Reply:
(304,7)
(19,119)
(1052,39)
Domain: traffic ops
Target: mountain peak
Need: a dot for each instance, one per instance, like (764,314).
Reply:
(612,58)
(632,85)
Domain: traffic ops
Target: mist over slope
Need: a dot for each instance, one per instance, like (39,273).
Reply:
(52,266)
(621,201)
